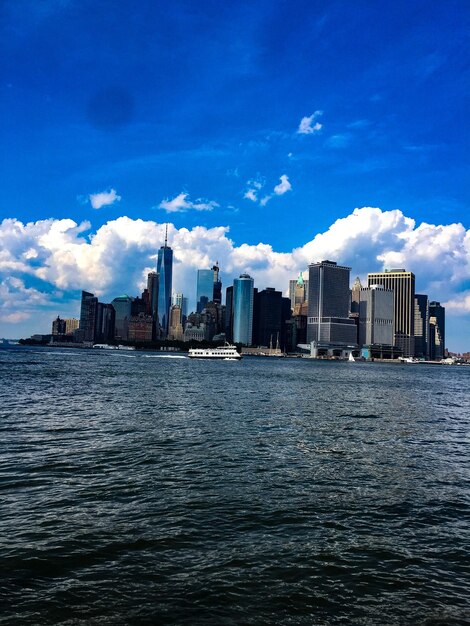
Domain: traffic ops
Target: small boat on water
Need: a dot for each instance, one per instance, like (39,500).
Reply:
(228,353)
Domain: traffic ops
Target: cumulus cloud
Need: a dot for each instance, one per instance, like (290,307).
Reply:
(181,203)
(283,186)
(103,198)
(308,125)
(63,255)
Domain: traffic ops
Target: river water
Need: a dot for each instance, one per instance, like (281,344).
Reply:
(142,489)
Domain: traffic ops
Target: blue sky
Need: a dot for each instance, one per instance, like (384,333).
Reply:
(191,113)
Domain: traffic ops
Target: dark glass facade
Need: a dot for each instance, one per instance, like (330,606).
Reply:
(165,273)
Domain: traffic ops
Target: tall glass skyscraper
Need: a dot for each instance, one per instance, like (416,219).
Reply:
(205,289)
(243,309)
(165,273)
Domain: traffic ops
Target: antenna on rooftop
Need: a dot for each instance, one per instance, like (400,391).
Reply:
(166,234)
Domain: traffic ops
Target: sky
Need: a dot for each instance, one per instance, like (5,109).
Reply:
(267,135)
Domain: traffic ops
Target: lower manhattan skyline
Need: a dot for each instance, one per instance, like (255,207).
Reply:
(266,137)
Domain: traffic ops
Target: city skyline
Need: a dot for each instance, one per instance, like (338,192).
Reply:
(262,134)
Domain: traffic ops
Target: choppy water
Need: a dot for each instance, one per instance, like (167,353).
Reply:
(144,490)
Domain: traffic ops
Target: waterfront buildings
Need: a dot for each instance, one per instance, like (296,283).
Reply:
(58,326)
(437,331)
(403,285)
(421,326)
(140,328)
(329,325)
(165,273)
(123,311)
(242,307)
(376,317)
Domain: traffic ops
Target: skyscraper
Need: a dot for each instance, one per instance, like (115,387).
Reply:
(298,291)
(243,309)
(88,316)
(376,316)
(165,273)
(403,285)
(437,335)
(205,288)
(328,322)
(421,326)
(123,310)
(217,291)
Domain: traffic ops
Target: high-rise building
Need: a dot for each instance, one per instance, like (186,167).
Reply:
(88,315)
(153,288)
(165,273)
(175,330)
(421,326)
(96,319)
(328,323)
(243,309)
(437,335)
(205,289)
(229,313)
(376,316)
(141,328)
(217,291)
(123,311)
(298,291)
(267,313)
(403,285)
(71,324)
(58,326)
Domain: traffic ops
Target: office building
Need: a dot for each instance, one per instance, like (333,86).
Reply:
(217,291)
(88,315)
(209,287)
(71,325)
(403,285)
(376,317)
(140,328)
(243,293)
(58,326)
(165,274)
(175,330)
(267,317)
(205,289)
(298,291)
(123,311)
(328,323)
(229,313)
(437,334)
(421,326)
(153,289)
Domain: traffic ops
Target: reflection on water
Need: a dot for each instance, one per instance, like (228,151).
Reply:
(156,490)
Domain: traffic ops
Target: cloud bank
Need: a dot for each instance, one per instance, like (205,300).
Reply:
(44,264)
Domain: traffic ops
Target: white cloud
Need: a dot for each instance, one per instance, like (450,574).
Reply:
(103,198)
(251,194)
(308,125)
(278,190)
(116,258)
(181,203)
(283,186)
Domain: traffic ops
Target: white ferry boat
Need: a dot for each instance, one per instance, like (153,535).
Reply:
(229,353)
